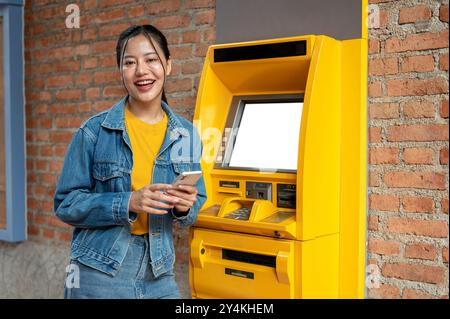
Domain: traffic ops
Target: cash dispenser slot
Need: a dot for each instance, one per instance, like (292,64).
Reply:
(250,258)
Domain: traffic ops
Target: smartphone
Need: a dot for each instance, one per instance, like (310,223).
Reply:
(187,178)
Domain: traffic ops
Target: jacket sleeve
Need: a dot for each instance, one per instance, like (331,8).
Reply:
(189,218)
(75,203)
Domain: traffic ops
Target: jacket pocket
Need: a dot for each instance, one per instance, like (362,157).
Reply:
(108,176)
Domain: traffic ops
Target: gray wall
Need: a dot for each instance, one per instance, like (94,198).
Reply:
(32,270)
(245,20)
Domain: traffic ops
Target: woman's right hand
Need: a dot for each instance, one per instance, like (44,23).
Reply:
(151,198)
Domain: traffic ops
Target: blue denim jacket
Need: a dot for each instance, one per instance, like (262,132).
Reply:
(94,189)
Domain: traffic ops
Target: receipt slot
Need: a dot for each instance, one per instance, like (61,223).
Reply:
(283,124)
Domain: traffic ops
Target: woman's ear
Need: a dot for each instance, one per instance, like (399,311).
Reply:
(169,67)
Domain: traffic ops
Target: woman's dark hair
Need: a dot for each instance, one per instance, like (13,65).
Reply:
(152,34)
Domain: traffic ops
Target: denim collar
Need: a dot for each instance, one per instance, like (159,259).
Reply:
(115,119)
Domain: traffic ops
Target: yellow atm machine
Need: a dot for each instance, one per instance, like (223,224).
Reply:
(283,125)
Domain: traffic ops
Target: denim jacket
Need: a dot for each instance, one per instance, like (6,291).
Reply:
(94,189)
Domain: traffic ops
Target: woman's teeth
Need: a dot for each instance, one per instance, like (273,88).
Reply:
(143,83)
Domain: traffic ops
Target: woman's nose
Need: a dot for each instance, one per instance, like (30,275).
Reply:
(141,69)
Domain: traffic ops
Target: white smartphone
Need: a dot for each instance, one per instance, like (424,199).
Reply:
(187,178)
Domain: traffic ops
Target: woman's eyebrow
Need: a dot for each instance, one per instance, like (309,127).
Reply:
(132,56)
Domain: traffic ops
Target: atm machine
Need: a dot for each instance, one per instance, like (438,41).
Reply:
(283,125)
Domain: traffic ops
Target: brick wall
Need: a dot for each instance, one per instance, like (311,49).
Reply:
(408,149)
(71,75)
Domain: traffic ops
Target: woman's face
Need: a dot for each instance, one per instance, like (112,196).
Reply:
(143,72)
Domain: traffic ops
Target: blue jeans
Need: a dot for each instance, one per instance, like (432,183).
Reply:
(134,279)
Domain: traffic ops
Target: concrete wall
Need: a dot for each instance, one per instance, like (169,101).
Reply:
(37,270)
(32,270)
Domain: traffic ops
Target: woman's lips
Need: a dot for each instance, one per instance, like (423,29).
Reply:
(144,85)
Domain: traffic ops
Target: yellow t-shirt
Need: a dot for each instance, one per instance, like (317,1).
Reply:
(146,140)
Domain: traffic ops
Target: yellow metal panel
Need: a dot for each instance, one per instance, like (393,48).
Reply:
(319,267)
(264,76)
(210,279)
(354,168)
(303,269)
(212,106)
(364,19)
(319,148)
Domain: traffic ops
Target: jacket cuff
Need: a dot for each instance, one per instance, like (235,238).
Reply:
(121,204)
(179,216)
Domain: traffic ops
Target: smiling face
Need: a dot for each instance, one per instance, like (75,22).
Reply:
(143,71)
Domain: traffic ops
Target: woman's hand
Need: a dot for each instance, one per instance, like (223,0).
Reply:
(150,199)
(186,195)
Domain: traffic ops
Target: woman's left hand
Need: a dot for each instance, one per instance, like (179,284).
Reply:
(186,195)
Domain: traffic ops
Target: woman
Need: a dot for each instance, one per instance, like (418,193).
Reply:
(115,185)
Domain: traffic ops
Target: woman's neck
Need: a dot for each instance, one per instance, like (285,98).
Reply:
(151,112)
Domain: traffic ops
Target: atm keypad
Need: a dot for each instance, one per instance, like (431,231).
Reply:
(239,214)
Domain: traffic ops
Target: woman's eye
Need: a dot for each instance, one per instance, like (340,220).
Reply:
(151,60)
(129,62)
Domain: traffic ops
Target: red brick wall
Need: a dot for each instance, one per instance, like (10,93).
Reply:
(71,74)
(408,149)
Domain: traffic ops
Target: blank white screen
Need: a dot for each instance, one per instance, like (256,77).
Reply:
(268,136)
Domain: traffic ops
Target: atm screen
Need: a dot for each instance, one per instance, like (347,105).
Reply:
(267,135)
